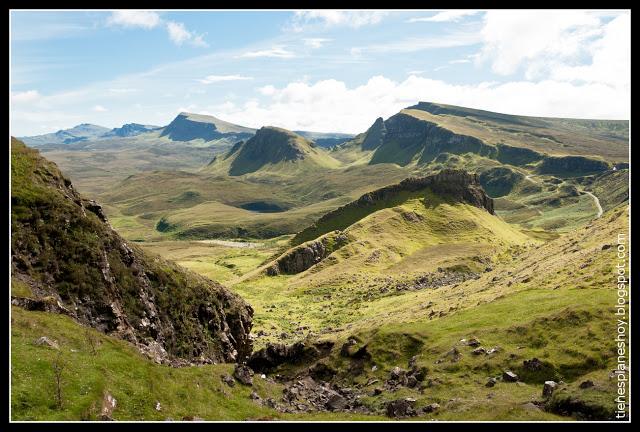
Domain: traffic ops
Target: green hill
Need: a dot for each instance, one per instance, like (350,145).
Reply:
(276,150)
(66,258)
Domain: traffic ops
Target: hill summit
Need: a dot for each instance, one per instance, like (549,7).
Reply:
(274,149)
(187,126)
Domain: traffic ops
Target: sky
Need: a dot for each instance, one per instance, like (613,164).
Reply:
(314,70)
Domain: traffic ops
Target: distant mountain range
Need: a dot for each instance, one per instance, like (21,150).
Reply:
(186,127)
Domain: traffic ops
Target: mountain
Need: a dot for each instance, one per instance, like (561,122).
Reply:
(276,150)
(129,130)
(66,258)
(419,133)
(82,132)
(189,127)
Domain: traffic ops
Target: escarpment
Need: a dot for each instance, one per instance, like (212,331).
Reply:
(454,185)
(67,255)
(305,256)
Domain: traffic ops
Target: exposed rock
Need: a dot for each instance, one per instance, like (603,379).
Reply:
(254,396)
(192,418)
(586,384)
(473,342)
(81,267)
(45,341)
(244,374)
(273,355)
(548,388)
(303,257)
(109,404)
(479,351)
(491,382)
(158,407)
(509,376)
(455,184)
(95,208)
(401,408)
(336,402)
(228,379)
(431,408)
(533,365)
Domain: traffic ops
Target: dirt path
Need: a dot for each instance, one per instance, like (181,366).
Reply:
(597,201)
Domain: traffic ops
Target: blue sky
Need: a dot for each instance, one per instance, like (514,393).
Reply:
(314,70)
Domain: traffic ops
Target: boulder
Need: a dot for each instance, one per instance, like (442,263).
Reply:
(227,379)
(430,408)
(109,404)
(509,376)
(401,408)
(548,388)
(244,374)
(586,384)
(479,351)
(491,382)
(336,402)
(45,341)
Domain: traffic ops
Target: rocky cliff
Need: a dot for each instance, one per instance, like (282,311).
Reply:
(72,262)
(454,185)
(305,256)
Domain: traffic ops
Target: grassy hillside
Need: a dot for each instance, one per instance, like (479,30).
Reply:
(530,300)
(65,257)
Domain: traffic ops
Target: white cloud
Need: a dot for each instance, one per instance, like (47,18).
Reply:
(315,42)
(536,41)
(219,78)
(25,97)
(445,16)
(459,61)
(275,52)
(331,18)
(179,35)
(611,57)
(99,108)
(134,18)
(330,105)
(177,32)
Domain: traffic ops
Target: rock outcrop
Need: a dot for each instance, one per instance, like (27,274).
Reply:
(305,256)
(75,263)
(571,164)
(454,185)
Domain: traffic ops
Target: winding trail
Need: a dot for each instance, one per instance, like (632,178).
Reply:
(597,201)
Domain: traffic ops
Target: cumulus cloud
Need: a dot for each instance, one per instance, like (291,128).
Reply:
(445,16)
(219,78)
(25,97)
(536,41)
(134,18)
(275,52)
(99,108)
(330,105)
(179,35)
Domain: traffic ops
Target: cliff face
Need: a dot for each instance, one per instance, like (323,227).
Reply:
(305,256)
(571,164)
(186,128)
(455,185)
(74,263)
(402,138)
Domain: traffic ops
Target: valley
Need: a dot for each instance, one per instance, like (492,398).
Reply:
(445,264)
